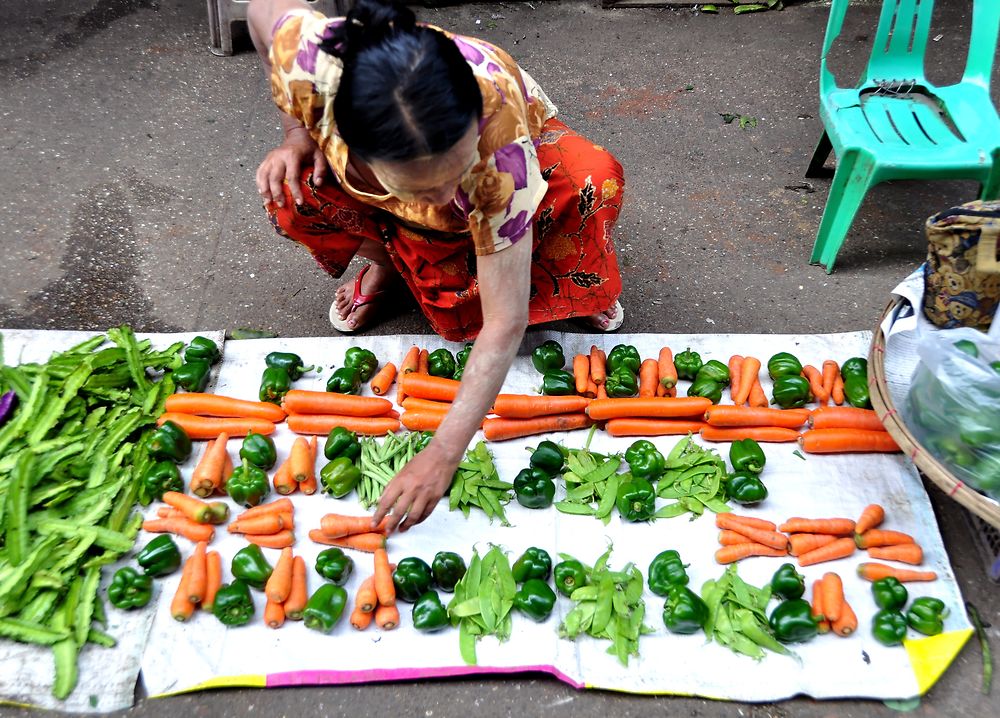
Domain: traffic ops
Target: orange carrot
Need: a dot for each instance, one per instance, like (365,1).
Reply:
(737,552)
(769,538)
(666,368)
(359,542)
(591,392)
(834,527)
(213,579)
(181,607)
(728,537)
(844,417)
(747,416)
(815,383)
(874,571)
(653,407)
(361,620)
(206,427)
(300,401)
(503,429)
(426,386)
(648,377)
(526,406)
(818,611)
(424,406)
(881,537)
(279,585)
(833,596)
(423,362)
(411,361)
(735,365)
(757,398)
(165,512)
(581,372)
(598,365)
(207,475)
(309,485)
(905,553)
(848,621)
(841,548)
(871,517)
(227,471)
(833,441)
(295,604)
(661,390)
(323,423)
(197,580)
(258,525)
(283,482)
(831,370)
(383,380)
(299,459)
(384,587)
(219,512)
(652,427)
(182,527)
(340,525)
(602,392)
(190,507)
(749,370)
(422,421)
(274,614)
(223,406)
(838,390)
(280,506)
(774,434)
(387,617)
(281,539)
(366,599)
(728,519)
(804,543)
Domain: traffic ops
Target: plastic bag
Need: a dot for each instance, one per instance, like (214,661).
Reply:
(953,405)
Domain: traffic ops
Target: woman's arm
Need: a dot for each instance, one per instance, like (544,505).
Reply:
(504,280)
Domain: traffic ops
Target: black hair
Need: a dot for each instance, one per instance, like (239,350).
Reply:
(406,90)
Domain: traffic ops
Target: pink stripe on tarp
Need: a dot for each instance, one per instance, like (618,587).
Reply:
(310,678)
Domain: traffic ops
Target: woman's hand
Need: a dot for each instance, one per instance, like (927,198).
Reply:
(416,490)
(286,162)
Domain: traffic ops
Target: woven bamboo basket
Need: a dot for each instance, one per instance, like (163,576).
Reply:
(979,504)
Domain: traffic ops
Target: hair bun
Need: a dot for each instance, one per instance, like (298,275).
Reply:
(369,22)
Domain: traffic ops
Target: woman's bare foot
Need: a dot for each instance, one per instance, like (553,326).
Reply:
(357,300)
(608,320)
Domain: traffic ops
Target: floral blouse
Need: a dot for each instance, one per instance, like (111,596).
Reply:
(497,197)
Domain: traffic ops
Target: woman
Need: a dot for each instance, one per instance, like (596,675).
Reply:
(440,161)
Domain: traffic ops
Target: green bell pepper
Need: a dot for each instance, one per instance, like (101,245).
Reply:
(857,392)
(711,390)
(291,363)
(783,364)
(926,615)
(788,583)
(251,567)
(412,578)
(620,384)
(623,356)
(346,380)
(636,499)
(533,563)
(169,442)
(792,392)
(461,359)
(259,450)
(535,599)
(448,568)
(248,485)
(792,621)
(889,627)
(274,384)
(429,614)
(159,477)
(684,611)
(441,362)
(569,575)
(549,457)
(364,360)
(160,557)
(130,589)
(666,570)
(714,370)
(889,594)
(324,608)
(202,349)
(747,455)
(534,489)
(744,488)
(192,375)
(339,477)
(687,364)
(855,367)
(557,382)
(233,604)
(548,356)
(334,565)
(645,460)
(342,442)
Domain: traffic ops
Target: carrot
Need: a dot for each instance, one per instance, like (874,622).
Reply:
(340,525)
(181,607)
(426,386)
(309,485)
(207,475)
(666,368)
(772,539)
(841,548)
(747,416)
(581,372)
(818,611)
(737,552)
(833,596)
(648,377)
(503,429)
(602,392)
(652,427)
(213,579)
(384,587)
(197,580)
(748,376)
(383,380)
(591,392)
(300,401)
(423,362)
(298,596)
(422,421)
(728,537)
(387,617)
(323,423)
(412,403)
(182,527)
(848,621)
(366,599)
(833,441)
(279,585)
(875,538)
(598,365)
(653,407)
(905,552)
(727,520)
(190,507)
(411,361)
(274,614)
(299,459)
(165,512)
(774,434)
(874,571)
(661,390)
(281,539)
(871,516)
(735,365)
(218,512)
(804,543)
(359,542)
(815,383)
(283,482)
(844,417)
(834,527)
(258,525)
(223,406)
(205,427)
(525,406)
(838,390)
(831,370)
(757,398)
(275,507)
(361,620)
(227,471)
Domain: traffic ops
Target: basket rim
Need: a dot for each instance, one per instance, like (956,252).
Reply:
(979,504)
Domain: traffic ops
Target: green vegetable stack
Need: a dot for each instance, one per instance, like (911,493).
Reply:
(281,369)
(684,611)
(925,615)
(477,484)
(377,463)
(490,577)
(590,479)
(737,618)
(709,381)
(193,374)
(622,371)
(854,372)
(790,389)
(534,486)
(535,598)
(549,360)
(695,478)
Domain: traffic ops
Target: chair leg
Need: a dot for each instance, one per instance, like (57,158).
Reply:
(850,184)
(823,149)
(990,189)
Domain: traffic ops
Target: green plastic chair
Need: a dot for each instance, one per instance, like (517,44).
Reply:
(896,124)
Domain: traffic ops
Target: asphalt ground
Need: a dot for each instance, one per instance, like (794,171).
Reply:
(127,196)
